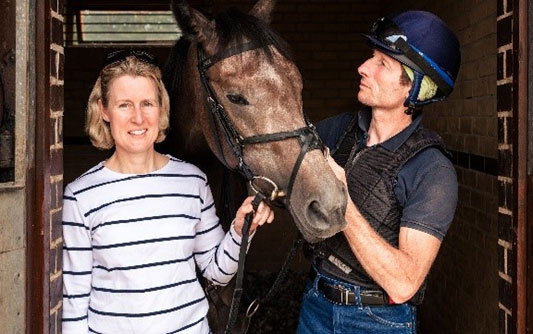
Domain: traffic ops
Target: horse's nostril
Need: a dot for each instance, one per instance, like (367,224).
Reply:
(317,216)
(325,220)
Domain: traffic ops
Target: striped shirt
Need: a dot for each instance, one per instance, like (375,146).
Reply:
(131,247)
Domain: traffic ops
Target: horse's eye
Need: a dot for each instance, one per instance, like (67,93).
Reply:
(237,99)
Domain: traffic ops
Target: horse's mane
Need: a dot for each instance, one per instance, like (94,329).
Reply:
(173,71)
(232,25)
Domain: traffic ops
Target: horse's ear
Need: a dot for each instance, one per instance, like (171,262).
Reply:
(193,24)
(263,10)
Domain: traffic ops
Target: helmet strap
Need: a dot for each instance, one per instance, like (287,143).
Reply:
(412,99)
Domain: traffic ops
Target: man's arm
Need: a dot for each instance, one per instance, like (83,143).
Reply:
(399,271)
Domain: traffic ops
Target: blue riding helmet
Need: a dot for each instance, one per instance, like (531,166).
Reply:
(423,42)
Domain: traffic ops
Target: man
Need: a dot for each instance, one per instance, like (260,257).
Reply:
(403,188)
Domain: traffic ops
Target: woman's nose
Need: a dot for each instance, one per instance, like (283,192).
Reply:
(137,116)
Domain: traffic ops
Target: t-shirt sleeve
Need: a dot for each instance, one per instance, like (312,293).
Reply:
(216,252)
(428,194)
(331,129)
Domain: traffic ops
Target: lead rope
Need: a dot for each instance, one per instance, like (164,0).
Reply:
(237,293)
(254,305)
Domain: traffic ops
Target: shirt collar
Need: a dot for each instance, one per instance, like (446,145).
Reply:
(393,143)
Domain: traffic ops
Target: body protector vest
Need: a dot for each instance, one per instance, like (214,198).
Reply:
(371,175)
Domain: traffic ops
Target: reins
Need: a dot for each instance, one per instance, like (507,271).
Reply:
(237,293)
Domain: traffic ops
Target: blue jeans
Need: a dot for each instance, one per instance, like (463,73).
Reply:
(319,315)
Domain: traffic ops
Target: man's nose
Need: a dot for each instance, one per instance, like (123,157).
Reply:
(363,68)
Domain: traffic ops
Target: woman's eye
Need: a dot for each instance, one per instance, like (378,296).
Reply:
(237,99)
(147,104)
(123,105)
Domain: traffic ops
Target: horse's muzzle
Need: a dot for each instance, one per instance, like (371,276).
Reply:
(321,221)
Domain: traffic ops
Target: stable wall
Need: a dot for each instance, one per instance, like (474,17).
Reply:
(462,295)
(13,195)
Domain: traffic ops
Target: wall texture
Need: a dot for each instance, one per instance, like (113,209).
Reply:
(506,216)
(57,64)
(462,294)
(13,194)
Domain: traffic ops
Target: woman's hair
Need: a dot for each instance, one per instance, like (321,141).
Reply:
(99,130)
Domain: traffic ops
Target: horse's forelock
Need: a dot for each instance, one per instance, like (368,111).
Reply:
(234,26)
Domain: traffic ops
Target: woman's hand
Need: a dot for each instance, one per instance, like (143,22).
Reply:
(264,214)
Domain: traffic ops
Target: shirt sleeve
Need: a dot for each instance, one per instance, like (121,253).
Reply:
(428,194)
(216,253)
(331,129)
(77,267)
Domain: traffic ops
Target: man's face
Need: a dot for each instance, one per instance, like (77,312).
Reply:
(380,85)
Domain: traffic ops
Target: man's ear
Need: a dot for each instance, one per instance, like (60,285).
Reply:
(103,111)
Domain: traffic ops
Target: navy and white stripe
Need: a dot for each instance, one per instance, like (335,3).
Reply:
(131,247)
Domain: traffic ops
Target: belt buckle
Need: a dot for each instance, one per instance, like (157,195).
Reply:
(345,294)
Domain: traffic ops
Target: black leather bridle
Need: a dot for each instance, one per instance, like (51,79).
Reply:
(307,136)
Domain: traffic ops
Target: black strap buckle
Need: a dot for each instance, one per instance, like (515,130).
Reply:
(374,297)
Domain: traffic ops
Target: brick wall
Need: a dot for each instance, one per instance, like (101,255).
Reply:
(57,61)
(325,37)
(462,294)
(506,264)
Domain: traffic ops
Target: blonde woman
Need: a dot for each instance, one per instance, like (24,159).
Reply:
(137,225)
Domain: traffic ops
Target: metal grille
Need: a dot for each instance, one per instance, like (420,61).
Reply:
(109,26)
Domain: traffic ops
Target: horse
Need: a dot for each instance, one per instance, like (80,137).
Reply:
(236,92)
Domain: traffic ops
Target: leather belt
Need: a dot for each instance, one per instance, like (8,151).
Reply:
(341,295)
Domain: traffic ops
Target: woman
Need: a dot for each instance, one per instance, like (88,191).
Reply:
(137,225)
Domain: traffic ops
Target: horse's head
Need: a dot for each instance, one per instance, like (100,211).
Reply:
(246,91)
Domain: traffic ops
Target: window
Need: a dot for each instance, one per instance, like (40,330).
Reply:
(125,26)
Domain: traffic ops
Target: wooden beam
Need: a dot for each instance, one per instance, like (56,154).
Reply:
(38,181)
(125,4)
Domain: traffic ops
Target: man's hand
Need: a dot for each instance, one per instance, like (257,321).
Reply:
(338,170)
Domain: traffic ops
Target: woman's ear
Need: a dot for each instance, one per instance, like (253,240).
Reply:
(103,111)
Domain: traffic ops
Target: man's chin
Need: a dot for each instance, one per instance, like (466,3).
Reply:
(364,100)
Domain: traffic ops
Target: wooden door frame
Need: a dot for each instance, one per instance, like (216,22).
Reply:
(523,165)
(38,178)
(528,138)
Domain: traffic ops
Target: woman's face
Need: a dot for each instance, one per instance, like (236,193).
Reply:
(133,113)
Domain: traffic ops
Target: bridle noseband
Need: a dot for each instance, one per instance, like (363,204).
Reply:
(307,135)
